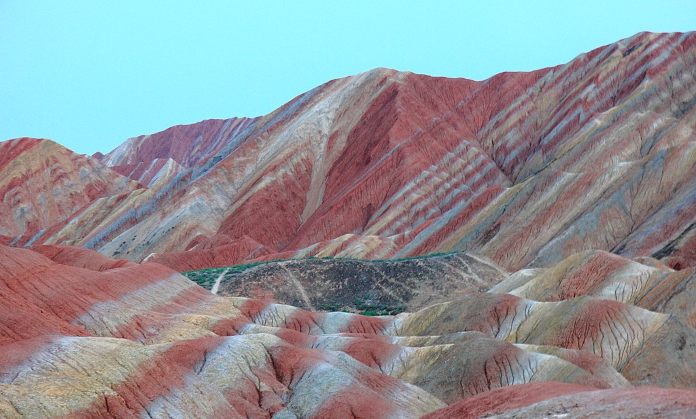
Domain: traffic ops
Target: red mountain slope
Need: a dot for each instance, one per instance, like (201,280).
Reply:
(43,184)
(524,168)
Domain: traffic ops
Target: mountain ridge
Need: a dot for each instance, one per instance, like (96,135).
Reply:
(340,168)
(521,246)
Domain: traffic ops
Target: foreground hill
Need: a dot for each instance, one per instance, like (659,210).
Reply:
(525,169)
(121,340)
(392,286)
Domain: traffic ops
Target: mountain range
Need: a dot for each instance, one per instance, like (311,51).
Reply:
(523,168)
(385,244)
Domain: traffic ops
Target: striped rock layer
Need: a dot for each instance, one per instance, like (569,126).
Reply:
(564,196)
(525,169)
(123,340)
(43,184)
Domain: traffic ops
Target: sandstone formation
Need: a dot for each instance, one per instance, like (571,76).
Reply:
(609,276)
(567,400)
(130,339)
(525,169)
(521,246)
(43,184)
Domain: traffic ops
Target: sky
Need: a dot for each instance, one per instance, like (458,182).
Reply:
(90,74)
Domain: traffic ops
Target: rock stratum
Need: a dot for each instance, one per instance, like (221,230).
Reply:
(521,246)
(120,339)
(523,168)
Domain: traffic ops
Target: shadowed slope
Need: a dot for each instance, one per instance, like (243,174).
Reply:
(378,287)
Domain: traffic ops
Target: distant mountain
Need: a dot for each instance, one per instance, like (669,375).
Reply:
(43,184)
(188,145)
(524,168)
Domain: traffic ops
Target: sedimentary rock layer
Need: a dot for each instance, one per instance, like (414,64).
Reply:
(43,184)
(567,400)
(121,340)
(525,169)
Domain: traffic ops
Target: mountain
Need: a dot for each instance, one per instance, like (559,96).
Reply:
(188,145)
(523,168)
(43,184)
(519,246)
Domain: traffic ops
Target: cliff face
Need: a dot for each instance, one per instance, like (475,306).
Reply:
(523,168)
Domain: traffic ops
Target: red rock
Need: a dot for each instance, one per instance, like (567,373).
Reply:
(80,257)
(188,145)
(528,170)
(43,184)
(506,398)
(615,403)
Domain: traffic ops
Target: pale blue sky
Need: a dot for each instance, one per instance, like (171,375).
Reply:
(90,74)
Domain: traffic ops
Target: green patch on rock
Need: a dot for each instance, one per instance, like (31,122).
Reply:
(206,277)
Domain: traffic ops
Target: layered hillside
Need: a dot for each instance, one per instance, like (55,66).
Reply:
(512,168)
(122,340)
(188,145)
(523,168)
(43,184)
(412,245)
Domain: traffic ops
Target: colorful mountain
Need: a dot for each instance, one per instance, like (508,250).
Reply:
(123,340)
(412,245)
(43,184)
(523,168)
